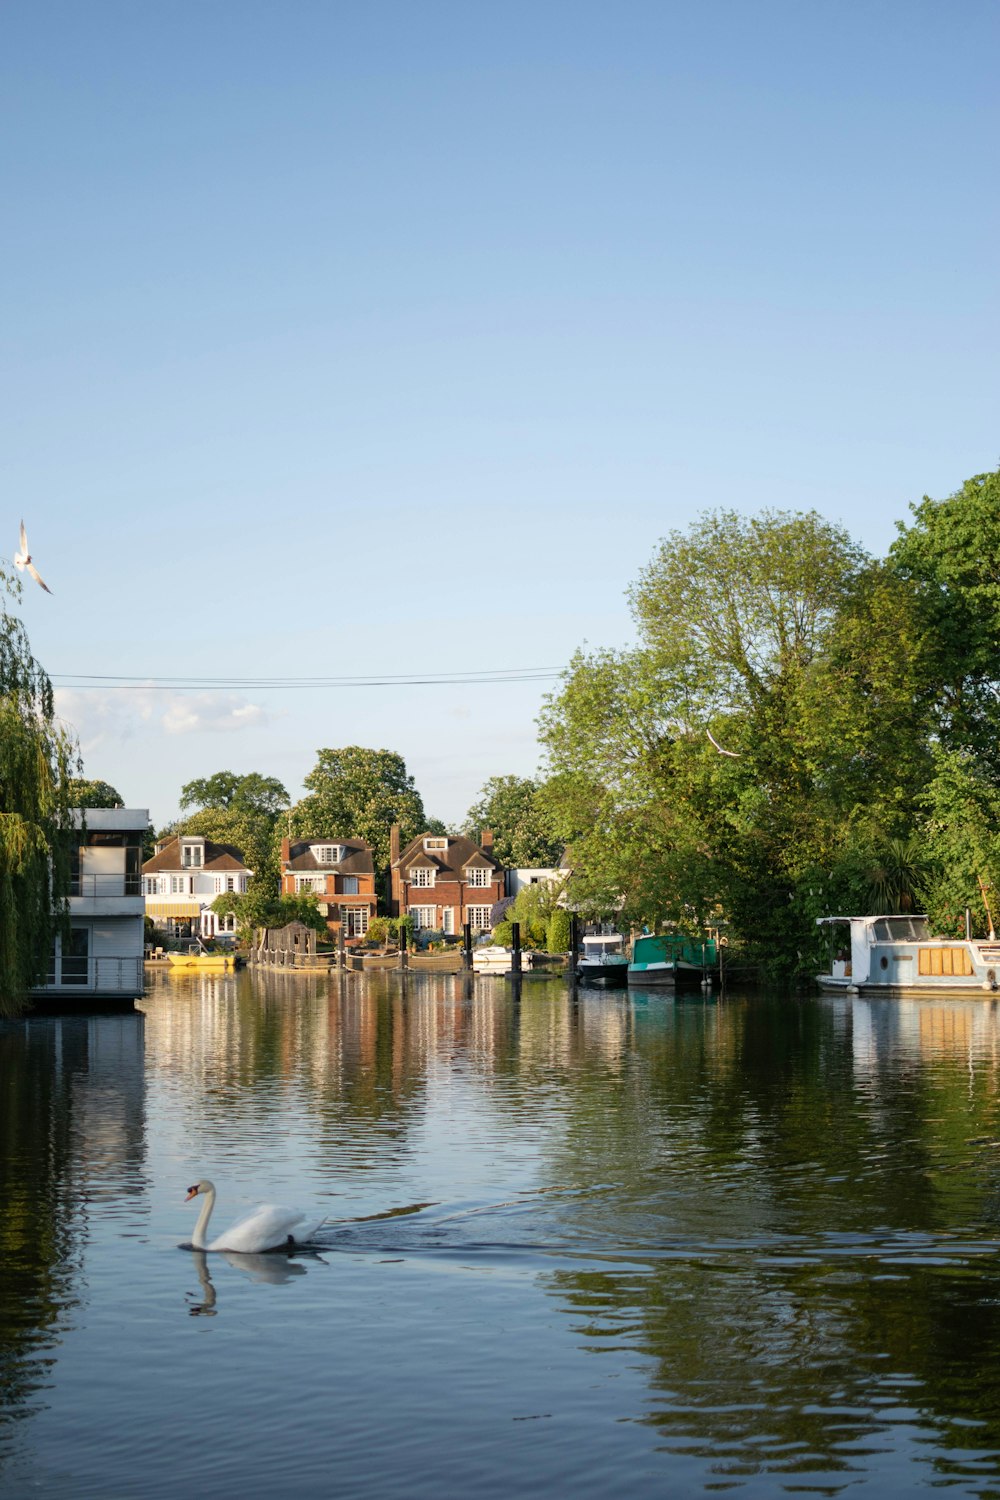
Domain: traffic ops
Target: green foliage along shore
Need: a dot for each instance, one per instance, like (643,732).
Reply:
(800,729)
(38,760)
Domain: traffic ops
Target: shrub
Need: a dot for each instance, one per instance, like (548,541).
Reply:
(503,935)
(558,935)
(402,924)
(379,931)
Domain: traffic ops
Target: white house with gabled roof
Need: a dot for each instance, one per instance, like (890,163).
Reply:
(183,879)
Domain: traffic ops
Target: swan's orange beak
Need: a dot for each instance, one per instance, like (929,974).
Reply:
(192,1192)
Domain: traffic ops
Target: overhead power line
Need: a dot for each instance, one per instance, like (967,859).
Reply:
(187,683)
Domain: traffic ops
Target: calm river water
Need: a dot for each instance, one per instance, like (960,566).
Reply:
(617,1244)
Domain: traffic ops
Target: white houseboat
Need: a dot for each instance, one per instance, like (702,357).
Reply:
(898,955)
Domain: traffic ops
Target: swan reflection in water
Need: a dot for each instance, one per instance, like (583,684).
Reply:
(273,1268)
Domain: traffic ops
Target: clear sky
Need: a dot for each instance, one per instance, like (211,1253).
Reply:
(348,338)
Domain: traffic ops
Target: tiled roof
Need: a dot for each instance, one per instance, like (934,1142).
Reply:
(459,855)
(217,857)
(357,858)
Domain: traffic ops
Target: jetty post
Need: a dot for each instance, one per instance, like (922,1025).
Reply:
(403,959)
(515,947)
(467,945)
(574,946)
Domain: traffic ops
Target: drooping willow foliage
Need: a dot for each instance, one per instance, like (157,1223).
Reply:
(37,760)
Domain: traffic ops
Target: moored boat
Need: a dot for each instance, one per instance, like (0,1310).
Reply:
(898,955)
(198,957)
(673,961)
(603,960)
(493,959)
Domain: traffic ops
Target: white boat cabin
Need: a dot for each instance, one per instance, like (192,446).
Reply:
(890,953)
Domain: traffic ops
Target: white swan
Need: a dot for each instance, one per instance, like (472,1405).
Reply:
(269,1226)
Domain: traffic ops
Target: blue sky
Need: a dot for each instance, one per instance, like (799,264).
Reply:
(349,339)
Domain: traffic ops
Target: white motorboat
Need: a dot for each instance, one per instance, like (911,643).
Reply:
(603,960)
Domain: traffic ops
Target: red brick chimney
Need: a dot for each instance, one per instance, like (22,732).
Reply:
(486,841)
(286,847)
(394,843)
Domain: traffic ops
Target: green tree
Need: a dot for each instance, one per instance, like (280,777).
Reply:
(774,640)
(950,552)
(359,793)
(961,832)
(86,793)
(510,806)
(257,907)
(245,811)
(264,796)
(38,760)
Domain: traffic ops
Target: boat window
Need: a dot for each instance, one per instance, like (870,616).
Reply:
(900,930)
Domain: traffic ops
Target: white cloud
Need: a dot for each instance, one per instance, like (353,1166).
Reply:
(99,717)
(215,713)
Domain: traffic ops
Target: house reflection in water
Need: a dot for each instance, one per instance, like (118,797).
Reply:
(74,1132)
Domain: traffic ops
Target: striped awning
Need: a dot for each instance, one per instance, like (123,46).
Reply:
(173,909)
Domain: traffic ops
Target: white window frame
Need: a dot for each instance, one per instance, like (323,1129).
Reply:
(327,854)
(355,920)
(448,921)
(423,877)
(435,843)
(419,912)
(181,885)
(478,876)
(477,924)
(350,885)
(192,856)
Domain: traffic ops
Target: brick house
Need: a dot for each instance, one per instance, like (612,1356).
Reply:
(341,874)
(444,881)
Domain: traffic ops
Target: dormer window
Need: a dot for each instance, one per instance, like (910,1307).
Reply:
(422,876)
(435,844)
(192,856)
(476,875)
(327,854)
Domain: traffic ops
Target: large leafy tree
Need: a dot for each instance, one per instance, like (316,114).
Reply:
(252,793)
(762,726)
(245,811)
(357,792)
(510,807)
(37,762)
(950,552)
(90,793)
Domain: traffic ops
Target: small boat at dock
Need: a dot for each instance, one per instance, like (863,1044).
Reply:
(669,960)
(603,960)
(197,956)
(897,955)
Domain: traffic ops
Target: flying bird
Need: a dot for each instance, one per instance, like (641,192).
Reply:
(734,753)
(22,560)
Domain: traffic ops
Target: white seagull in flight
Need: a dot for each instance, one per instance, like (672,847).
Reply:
(734,753)
(22,560)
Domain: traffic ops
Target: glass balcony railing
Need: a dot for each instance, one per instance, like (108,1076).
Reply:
(118,884)
(108,974)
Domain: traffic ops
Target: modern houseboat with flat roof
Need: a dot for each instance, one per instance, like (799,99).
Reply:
(896,955)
